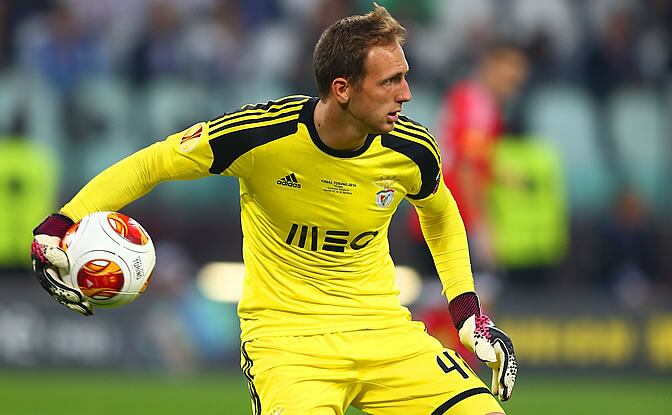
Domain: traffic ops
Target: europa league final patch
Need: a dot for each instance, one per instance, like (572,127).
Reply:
(191,137)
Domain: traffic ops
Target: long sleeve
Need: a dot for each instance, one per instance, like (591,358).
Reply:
(446,237)
(137,174)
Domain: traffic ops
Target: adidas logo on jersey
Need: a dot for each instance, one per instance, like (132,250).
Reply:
(289,180)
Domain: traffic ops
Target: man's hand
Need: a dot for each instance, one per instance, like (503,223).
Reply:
(50,263)
(495,348)
(490,344)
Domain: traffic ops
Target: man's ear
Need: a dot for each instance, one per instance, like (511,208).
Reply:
(341,89)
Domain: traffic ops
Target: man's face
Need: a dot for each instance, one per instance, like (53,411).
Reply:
(376,102)
(508,73)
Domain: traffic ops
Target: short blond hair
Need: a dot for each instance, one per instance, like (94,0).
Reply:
(342,48)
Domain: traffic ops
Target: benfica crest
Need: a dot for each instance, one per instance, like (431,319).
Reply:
(384,198)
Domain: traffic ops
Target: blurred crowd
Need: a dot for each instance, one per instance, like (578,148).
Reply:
(602,44)
(92,80)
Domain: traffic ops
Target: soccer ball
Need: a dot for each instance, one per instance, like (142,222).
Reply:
(111,258)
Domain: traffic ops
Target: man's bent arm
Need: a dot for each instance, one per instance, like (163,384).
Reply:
(136,175)
(446,237)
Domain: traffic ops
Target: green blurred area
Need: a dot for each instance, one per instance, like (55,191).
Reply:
(55,393)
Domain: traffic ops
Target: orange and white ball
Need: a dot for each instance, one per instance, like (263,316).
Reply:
(111,258)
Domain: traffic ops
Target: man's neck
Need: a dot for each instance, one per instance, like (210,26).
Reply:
(336,127)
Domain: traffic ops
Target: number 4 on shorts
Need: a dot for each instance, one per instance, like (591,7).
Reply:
(447,368)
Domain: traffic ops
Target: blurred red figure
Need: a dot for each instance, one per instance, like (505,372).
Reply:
(471,120)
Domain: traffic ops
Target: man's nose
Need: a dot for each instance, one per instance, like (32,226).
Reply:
(405,93)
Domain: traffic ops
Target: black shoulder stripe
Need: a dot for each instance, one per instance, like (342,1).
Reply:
(259,109)
(263,117)
(252,116)
(227,148)
(421,156)
(423,137)
(281,101)
(415,126)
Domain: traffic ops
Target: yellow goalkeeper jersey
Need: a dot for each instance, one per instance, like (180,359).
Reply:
(314,219)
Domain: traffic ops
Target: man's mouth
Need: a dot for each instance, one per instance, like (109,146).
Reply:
(393,116)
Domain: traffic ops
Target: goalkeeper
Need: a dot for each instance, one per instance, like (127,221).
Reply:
(320,178)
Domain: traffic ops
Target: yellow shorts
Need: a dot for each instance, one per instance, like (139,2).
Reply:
(392,371)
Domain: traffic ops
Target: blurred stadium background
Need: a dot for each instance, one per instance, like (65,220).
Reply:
(84,83)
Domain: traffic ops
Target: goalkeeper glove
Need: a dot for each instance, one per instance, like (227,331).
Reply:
(50,263)
(490,344)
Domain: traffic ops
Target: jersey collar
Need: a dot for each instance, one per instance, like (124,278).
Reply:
(306,118)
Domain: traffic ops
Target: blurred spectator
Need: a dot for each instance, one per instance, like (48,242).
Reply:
(629,266)
(257,13)
(118,23)
(527,211)
(655,43)
(664,260)
(28,186)
(552,31)
(557,19)
(12,14)
(462,29)
(611,60)
(471,123)
(58,49)
(215,48)
(323,16)
(5,51)
(157,53)
(165,324)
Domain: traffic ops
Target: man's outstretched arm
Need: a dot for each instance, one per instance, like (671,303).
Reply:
(112,189)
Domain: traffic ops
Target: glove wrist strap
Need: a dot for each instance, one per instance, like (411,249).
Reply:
(464,306)
(54,225)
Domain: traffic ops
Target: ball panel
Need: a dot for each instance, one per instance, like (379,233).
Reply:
(100,279)
(69,236)
(127,228)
